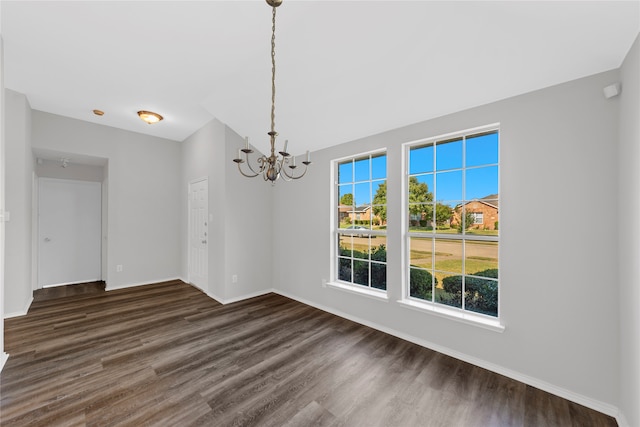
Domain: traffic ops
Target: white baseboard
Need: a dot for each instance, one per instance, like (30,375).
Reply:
(75,282)
(109,287)
(605,408)
(224,301)
(247,296)
(622,421)
(23,312)
(3,359)
(239,298)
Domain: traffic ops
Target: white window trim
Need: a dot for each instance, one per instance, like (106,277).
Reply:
(368,291)
(495,324)
(440,310)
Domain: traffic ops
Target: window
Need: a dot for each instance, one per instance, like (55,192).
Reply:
(361,203)
(452,214)
(478,218)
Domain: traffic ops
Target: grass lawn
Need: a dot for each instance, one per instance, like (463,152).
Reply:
(455,231)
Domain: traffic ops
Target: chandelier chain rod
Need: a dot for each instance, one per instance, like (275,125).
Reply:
(273,71)
(272,167)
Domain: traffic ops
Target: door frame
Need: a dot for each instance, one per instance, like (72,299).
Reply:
(189,224)
(35,279)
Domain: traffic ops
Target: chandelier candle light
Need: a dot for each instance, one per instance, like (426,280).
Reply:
(272,167)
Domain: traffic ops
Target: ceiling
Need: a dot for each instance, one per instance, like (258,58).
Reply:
(345,69)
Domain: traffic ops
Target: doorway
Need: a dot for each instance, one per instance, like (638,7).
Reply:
(69,231)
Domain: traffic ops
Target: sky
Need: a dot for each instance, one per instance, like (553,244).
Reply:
(439,165)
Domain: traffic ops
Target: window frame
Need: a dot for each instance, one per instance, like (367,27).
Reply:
(460,314)
(478,217)
(336,231)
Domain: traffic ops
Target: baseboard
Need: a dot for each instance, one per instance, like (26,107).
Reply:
(622,421)
(213,296)
(3,359)
(238,298)
(109,287)
(20,313)
(247,296)
(76,282)
(596,405)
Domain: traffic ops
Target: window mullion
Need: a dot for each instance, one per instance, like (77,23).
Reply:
(475,150)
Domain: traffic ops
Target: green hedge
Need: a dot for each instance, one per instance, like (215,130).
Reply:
(420,284)
(361,267)
(480,295)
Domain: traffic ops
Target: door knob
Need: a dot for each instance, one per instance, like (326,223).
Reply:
(46,239)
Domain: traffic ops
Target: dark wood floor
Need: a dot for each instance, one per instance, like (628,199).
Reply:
(166,354)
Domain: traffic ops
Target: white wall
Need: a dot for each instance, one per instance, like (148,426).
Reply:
(3,355)
(558,254)
(240,233)
(202,155)
(79,172)
(248,228)
(143,216)
(18,203)
(629,236)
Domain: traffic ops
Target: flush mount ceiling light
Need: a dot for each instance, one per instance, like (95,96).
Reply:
(273,167)
(98,112)
(149,116)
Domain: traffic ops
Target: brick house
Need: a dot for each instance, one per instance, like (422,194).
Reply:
(484,210)
(362,213)
(359,213)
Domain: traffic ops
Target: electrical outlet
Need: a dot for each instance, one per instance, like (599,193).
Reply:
(234,278)
(119,268)
(324,283)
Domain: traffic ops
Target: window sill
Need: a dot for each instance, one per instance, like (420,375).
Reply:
(468,318)
(360,290)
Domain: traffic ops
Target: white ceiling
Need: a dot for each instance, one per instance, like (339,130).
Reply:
(345,69)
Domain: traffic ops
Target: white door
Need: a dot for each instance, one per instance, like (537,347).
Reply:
(69,231)
(198,232)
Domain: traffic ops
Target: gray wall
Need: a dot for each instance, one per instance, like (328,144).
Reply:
(143,180)
(248,226)
(629,236)
(79,172)
(18,202)
(202,155)
(241,210)
(558,253)
(3,355)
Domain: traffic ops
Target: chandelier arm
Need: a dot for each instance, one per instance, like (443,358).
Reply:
(301,175)
(283,171)
(292,176)
(280,168)
(244,174)
(260,161)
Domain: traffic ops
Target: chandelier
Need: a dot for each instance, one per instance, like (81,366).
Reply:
(274,166)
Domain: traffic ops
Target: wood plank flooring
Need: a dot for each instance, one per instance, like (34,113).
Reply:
(167,355)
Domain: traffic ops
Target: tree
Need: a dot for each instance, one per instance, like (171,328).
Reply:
(418,193)
(443,213)
(347,199)
(469,219)
(380,198)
